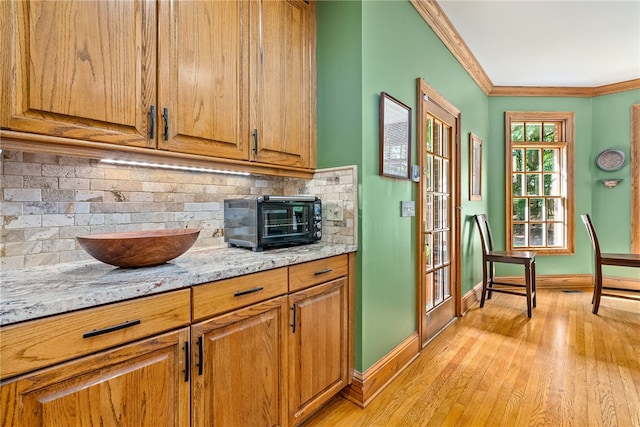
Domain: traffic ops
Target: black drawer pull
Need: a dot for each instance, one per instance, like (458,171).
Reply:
(326,270)
(248,291)
(108,329)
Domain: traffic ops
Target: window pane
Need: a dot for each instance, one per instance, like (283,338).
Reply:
(534,132)
(517,132)
(533,160)
(551,160)
(445,176)
(445,141)
(518,160)
(554,210)
(536,234)
(555,235)
(437,174)
(437,249)
(551,184)
(445,247)
(428,253)
(429,291)
(428,173)
(519,209)
(519,235)
(437,212)
(533,184)
(437,287)
(446,288)
(516,184)
(536,209)
(429,135)
(428,204)
(437,132)
(550,132)
(445,211)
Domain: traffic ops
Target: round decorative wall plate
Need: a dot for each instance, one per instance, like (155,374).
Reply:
(611,160)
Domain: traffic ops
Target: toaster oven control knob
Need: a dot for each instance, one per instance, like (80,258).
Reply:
(318,225)
(317,235)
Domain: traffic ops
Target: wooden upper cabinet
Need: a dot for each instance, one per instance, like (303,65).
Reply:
(283,82)
(231,80)
(203,60)
(82,69)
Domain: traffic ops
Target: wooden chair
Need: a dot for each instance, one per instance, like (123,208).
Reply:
(621,260)
(491,256)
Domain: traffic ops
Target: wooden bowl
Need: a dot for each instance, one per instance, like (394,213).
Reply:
(139,248)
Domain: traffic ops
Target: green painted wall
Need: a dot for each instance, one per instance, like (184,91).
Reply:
(366,47)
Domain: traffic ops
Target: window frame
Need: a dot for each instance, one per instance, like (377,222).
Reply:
(567,120)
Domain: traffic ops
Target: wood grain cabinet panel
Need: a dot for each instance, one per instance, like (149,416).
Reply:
(203,77)
(239,375)
(43,342)
(283,82)
(315,272)
(141,384)
(80,69)
(318,346)
(214,298)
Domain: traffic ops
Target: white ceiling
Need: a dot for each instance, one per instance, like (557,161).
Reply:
(574,43)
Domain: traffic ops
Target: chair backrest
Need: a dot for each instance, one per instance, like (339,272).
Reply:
(586,218)
(485,232)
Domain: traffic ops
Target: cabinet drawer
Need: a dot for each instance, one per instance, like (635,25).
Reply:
(314,272)
(38,343)
(225,295)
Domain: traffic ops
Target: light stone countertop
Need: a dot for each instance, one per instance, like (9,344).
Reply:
(48,290)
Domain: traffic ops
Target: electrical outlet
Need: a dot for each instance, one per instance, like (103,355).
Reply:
(333,211)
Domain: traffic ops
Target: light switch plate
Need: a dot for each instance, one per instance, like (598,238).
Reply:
(407,208)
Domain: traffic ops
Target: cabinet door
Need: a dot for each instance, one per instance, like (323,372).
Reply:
(82,69)
(318,346)
(140,384)
(203,78)
(283,81)
(238,367)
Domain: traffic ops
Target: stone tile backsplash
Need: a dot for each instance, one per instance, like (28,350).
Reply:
(48,200)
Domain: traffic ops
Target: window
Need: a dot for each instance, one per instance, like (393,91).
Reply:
(539,199)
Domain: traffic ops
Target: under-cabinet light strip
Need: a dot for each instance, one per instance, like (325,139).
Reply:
(174,167)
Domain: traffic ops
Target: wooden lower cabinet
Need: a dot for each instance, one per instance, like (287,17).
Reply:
(139,384)
(318,347)
(265,349)
(239,365)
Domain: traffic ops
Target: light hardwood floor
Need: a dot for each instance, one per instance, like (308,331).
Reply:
(494,367)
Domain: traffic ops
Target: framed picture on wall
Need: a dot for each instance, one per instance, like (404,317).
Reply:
(475,167)
(395,137)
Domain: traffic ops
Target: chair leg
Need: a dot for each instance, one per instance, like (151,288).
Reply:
(533,282)
(484,283)
(597,289)
(492,272)
(527,284)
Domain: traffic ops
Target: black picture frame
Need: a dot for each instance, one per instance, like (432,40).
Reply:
(395,138)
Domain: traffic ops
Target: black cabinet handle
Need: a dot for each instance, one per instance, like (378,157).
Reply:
(255,141)
(187,362)
(165,115)
(200,355)
(326,270)
(295,315)
(152,131)
(248,291)
(108,329)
